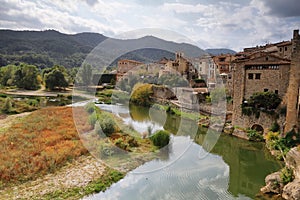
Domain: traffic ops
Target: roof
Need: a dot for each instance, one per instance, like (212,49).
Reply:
(132,61)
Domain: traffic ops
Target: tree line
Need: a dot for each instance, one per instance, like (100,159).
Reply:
(30,77)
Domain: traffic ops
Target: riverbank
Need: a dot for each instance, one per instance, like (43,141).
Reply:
(42,157)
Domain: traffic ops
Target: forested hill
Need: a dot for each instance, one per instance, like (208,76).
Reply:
(46,48)
(50,47)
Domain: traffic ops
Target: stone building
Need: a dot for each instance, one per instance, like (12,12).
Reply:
(183,66)
(223,63)
(292,116)
(259,72)
(268,68)
(126,65)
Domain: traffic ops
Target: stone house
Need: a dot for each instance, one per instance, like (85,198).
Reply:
(261,70)
(125,65)
(183,66)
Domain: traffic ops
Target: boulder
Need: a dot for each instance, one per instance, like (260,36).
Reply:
(293,161)
(273,184)
(291,191)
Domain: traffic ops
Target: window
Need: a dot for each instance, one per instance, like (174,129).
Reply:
(285,48)
(276,91)
(266,90)
(267,58)
(250,76)
(280,49)
(257,76)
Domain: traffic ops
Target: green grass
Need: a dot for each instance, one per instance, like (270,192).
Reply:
(109,177)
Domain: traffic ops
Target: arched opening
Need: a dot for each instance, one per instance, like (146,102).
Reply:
(258,128)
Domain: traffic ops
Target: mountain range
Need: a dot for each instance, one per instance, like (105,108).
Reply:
(50,47)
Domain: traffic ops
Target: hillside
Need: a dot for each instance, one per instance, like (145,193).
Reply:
(215,52)
(50,47)
(46,48)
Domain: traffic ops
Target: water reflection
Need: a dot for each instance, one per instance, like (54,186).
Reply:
(234,169)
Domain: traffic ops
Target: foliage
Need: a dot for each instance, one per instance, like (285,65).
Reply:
(275,127)
(23,76)
(108,125)
(109,177)
(172,80)
(282,144)
(160,138)
(286,175)
(141,94)
(26,76)
(262,101)
(253,135)
(217,95)
(37,145)
(90,107)
(7,107)
(56,78)
(85,75)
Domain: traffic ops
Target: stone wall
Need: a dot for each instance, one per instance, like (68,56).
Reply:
(294,84)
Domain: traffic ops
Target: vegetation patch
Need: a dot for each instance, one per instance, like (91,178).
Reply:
(286,175)
(282,144)
(141,94)
(161,138)
(265,102)
(253,135)
(39,144)
(109,177)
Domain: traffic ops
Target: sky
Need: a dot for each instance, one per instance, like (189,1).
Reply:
(233,24)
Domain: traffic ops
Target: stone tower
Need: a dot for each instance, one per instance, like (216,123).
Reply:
(294,85)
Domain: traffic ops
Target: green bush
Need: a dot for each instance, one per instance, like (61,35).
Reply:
(121,144)
(275,127)
(90,107)
(7,107)
(253,135)
(93,118)
(286,175)
(141,94)
(107,124)
(160,138)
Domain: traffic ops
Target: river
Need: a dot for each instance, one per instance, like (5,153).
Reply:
(233,169)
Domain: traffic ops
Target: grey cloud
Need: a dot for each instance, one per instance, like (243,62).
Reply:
(91,2)
(286,8)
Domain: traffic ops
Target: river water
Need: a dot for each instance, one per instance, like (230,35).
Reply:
(233,169)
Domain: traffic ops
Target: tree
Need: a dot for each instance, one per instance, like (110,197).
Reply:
(7,107)
(85,75)
(55,79)
(26,76)
(6,75)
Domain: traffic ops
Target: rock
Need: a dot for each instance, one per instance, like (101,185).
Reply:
(228,129)
(273,184)
(291,191)
(240,133)
(293,161)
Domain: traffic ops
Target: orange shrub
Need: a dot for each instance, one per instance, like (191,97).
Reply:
(40,143)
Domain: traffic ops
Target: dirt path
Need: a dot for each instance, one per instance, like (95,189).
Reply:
(76,174)
(40,92)
(7,120)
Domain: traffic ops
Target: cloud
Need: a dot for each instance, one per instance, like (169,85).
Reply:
(212,23)
(91,2)
(286,8)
